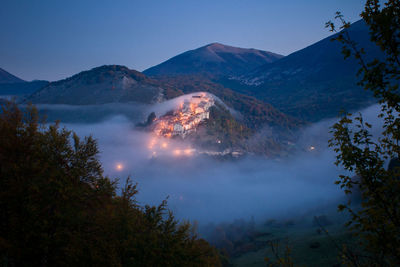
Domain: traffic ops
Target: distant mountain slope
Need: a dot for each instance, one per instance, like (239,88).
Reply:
(215,59)
(6,77)
(312,83)
(14,87)
(21,88)
(105,84)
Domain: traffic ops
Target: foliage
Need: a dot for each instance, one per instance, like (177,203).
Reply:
(377,222)
(234,239)
(58,209)
(225,127)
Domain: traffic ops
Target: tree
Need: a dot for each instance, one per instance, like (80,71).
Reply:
(58,209)
(377,221)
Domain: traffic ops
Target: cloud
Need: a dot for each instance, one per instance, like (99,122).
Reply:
(204,189)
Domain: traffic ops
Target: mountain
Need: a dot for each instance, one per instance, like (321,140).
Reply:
(118,84)
(213,59)
(14,87)
(6,77)
(312,83)
(234,123)
(200,70)
(105,84)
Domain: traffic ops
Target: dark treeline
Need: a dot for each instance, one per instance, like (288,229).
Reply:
(58,209)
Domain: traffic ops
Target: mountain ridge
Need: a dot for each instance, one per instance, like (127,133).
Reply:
(6,77)
(12,87)
(215,59)
(100,85)
(105,84)
(313,83)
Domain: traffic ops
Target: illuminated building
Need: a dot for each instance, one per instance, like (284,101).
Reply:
(186,118)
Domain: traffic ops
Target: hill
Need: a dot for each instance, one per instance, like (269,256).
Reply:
(214,59)
(206,125)
(105,84)
(243,124)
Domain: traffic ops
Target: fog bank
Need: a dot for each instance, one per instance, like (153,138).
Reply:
(205,189)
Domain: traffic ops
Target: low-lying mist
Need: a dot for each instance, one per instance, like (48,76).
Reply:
(209,190)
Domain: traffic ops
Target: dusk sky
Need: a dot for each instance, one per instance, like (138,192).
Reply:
(55,39)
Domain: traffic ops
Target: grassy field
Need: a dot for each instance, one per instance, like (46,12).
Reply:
(309,244)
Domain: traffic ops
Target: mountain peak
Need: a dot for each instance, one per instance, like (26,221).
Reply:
(218,46)
(214,59)
(215,45)
(222,48)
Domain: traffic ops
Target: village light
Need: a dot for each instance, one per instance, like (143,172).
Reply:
(184,120)
(188,152)
(119,167)
(152,143)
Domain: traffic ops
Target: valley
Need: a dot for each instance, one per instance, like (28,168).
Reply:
(216,144)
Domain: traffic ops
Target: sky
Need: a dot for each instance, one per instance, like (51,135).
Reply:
(54,39)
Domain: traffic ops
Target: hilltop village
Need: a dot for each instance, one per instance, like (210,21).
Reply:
(180,122)
(186,118)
